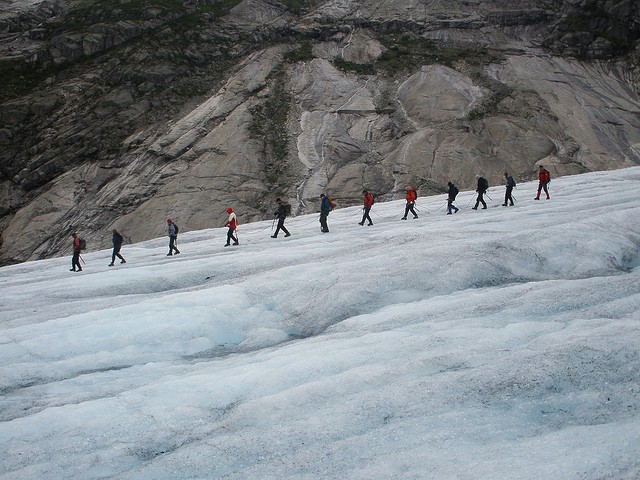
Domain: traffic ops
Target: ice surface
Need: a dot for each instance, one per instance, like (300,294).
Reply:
(498,343)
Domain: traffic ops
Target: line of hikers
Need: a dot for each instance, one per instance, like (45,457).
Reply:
(326,206)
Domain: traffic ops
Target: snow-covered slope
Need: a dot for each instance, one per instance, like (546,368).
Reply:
(498,343)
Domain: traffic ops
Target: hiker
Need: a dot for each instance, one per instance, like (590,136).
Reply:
(368,203)
(117,244)
(453,192)
(482,188)
(232,223)
(284,209)
(511,183)
(411,200)
(325,208)
(172,230)
(75,260)
(544,178)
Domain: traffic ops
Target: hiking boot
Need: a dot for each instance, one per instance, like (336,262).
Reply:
(415,216)
(456,210)
(547,197)
(537,198)
(227,244)
(123,261)
(403,218)
(369,224)
(236,243)
(360,223)
(448,213)
(287,235)
(79,270)
(511,204)
(474,208)
(72,269)
(111,264)
(484,208)
(504,204)
(275,236)
(169,254)
(177,252)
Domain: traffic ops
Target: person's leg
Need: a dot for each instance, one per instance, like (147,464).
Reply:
(367,216)
(481,197)
(546,190)
(323,223)
(76,262)
(284,229)
(406,211)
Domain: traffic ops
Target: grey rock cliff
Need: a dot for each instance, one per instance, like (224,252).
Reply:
(137,114)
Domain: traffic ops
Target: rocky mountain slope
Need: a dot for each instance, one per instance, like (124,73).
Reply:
(117,114)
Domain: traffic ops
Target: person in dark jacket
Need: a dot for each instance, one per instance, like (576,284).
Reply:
(325,208)
(410,197)
(544,178)
(117,244)
(511,183)
(173,237)
(75,260)
(368,203)
(281,214)
(453,192)
(482,188)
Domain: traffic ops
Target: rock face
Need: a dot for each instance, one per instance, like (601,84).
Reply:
(137,114)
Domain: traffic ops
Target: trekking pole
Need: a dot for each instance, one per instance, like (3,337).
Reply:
(80,256)
(514,198)
(490,199)
(470,201)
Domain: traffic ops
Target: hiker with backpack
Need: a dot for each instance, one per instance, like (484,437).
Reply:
(232,224)
(117,240)
(284,210)
(511,183)
(172,230)
(544,177)
(411,197)
(77,248)
(326,205)
(453,192)
(368,203)
(483,186)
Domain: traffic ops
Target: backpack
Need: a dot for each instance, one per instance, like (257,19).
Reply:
(287,209)
(454,192)
(484,184)
(373,198)
(415,194)
(176,225)
(83,244)
(511,182)
(332,205)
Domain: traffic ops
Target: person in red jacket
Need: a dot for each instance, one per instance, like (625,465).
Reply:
(411,200)
(544,179)
(368,203)
(75,260)
(232,224)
